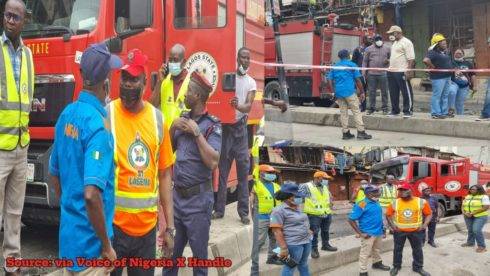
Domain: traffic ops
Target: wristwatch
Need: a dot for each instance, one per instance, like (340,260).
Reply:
(197,132)
(170,231)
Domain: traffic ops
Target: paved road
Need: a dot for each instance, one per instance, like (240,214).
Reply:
(448,259)
(38,242)
(315,135)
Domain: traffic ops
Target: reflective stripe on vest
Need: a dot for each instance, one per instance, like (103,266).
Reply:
(265,199)
(136,202)
(387,195)
(360,196)
(15,102)
(318,203)
(472,203)
(408,215)
(170,107)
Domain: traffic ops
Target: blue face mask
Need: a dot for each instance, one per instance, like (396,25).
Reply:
(324,182)
(174,68)
(298,200)
(269,177)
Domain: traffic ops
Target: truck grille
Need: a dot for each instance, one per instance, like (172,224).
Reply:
(50,98)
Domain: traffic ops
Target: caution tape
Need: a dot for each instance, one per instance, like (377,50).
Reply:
(396,70)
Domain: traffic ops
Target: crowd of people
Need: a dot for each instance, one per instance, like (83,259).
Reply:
(389,68)
(291,215)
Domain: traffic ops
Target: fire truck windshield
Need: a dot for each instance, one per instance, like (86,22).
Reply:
(400,172)
(48,18)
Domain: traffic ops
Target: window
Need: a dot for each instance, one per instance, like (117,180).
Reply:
(240,34)
(122,15)
(50,18)
(421,169)
(199,14)
(452,169)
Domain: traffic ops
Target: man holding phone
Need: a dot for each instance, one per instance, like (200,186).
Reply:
(370,229)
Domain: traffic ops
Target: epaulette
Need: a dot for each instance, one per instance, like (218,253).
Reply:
(213,118)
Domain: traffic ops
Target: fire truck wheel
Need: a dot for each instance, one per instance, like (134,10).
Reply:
(441,210)
(273,91)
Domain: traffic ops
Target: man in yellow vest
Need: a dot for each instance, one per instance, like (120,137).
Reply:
(359,194)
(318,207)
(388,194)
(16,91)
(172,85)
(408,217)
(263,198)
(143,158)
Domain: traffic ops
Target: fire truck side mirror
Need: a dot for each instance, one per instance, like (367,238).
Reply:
(140,14)
(228,82)
(114,44)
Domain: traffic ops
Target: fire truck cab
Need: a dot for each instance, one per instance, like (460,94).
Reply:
(58,31)
(449,179)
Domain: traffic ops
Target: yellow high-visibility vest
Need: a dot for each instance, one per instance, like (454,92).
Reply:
(15,102)
(319,202)
(360,195)
(472,203)
(408,215)
(387,195)
(170,107)
(265,199)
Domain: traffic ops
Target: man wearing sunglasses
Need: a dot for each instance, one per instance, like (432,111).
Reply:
(16,91)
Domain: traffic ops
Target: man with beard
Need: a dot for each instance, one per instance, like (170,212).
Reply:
(196,137)
(143,157)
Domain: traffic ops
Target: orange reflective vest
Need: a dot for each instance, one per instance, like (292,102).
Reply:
(137,140)
(408,214)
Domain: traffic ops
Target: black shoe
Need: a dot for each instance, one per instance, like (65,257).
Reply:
(391,114)
(421,272)
(347,135)
(369,112)
(385,112)
(245,220)
(216,215)
(363,274)
(314,253)
(407,115)
(329,248)
(274,261)
(381,266)
(394,271)
(362,135)
(433,244)
(438,117)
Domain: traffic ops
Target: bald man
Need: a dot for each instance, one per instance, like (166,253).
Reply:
(173,81)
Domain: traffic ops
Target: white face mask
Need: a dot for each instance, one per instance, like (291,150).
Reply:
(459,59)
(242,70)
(379,43)
(392,38)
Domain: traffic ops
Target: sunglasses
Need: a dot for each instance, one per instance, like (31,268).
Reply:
(12,16)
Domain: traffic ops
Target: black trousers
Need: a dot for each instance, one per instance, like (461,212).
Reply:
(431,231)
(398,82)
(127,246)
(415,239)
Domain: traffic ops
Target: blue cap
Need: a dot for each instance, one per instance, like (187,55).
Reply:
(97,62)
(343,54)
(370,189)
(291,188)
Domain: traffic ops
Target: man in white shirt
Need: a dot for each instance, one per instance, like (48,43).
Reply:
(402,57)
(235,141)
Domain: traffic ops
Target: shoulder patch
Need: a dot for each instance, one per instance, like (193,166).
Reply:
(362,204)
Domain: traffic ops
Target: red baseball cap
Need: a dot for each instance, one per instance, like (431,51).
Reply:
(404,186)
(135,62)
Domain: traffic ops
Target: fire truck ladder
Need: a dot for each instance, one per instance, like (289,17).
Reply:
(326,45)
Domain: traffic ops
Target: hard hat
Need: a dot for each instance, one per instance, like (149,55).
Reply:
(422,187)
(436,38)
(266,168)
(322,174)
(404,186)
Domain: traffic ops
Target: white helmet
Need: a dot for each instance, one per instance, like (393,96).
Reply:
(423,186)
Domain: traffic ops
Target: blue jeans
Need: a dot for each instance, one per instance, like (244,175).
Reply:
(320,225)
(457,96)
(485,113)
(300,254)
(440,95)
(475,227)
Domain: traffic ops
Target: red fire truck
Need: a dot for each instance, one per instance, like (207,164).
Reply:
(449,179)
(58,31)
(307,42)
